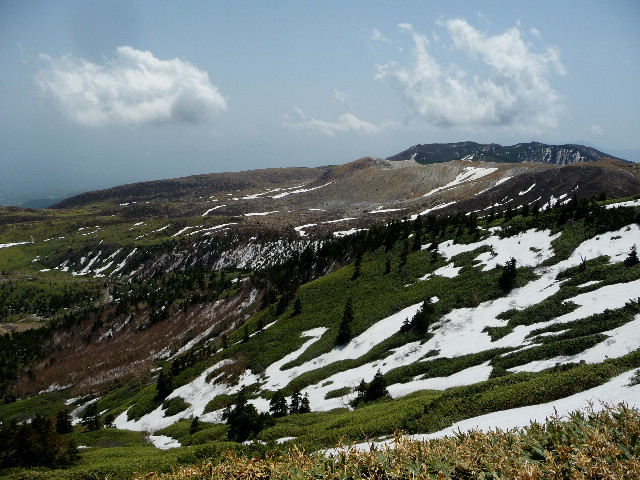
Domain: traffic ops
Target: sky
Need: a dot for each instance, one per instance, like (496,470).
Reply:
(97,94)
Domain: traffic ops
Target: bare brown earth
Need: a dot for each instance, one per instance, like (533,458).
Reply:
(365,191)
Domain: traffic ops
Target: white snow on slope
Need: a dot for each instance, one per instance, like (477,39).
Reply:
(612,392)
(255,214)
(609,393)
(529,248)
(197,393)
(464,377)
(502,180)
(301,229)
(352,231)
(457,333)
(122,264)
(461,331)
(354,349)
(300,190)
(527,190)
(437,207)
(212,209)
(468,174)
(6,245)
(631,203)
(386,210)
(621,341)
(163,442)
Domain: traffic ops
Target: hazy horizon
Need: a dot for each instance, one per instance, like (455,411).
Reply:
(102,94)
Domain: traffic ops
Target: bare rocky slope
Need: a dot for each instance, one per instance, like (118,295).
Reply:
(441,178)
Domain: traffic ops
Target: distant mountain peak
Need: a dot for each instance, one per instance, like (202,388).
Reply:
(492,152)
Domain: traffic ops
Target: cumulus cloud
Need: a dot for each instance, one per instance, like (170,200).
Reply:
(511,87)
(133,88)
(346,122)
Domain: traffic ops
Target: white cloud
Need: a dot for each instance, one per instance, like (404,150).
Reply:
(346,122)
(514,93)
(340,98)
(377,36)
(133,88)
(596,129)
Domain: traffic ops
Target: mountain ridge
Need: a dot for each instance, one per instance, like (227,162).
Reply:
(522,152)
(465,287)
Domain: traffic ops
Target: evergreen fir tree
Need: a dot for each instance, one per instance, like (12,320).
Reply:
(164,384)
(91,417)
(195,425)
(109,420)
(368,392)
(278,405)
(356,267)
(295,402)
(361,393)
(305,405)
(297,307)
(377,388)
(63,422)
(404,254)
(507,279)
(243,419)
(632,258)
(422,319)
(344,329)
(245,334)
(417,237)
(434,252)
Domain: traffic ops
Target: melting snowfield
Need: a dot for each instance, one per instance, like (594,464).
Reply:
(610,393)
(468,174)
(458,333)
(6,245)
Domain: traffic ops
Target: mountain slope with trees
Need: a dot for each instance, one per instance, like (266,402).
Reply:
(205,329)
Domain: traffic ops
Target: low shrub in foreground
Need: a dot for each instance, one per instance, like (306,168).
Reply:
(590,444)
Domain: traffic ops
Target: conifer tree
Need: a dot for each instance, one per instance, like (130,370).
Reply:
(91,417)
(297,307)
(404,254)
(243,419)
(195,425)
(245,334)
(356,267)
(63,422)
(632,258)
(422,319)
(368,392)
(295,402)
(305,405)
(377,388)
(507,279)
(344,329)
(164,384)
(278,405)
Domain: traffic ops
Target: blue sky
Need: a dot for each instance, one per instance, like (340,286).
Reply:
(100,93)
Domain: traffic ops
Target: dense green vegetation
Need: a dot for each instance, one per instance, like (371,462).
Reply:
(346,285)
(586,445)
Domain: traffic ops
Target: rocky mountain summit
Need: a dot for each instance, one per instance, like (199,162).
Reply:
(521,152)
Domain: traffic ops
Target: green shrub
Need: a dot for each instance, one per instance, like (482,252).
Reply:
(174,406)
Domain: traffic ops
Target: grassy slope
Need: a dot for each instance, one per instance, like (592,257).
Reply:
(375,296)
